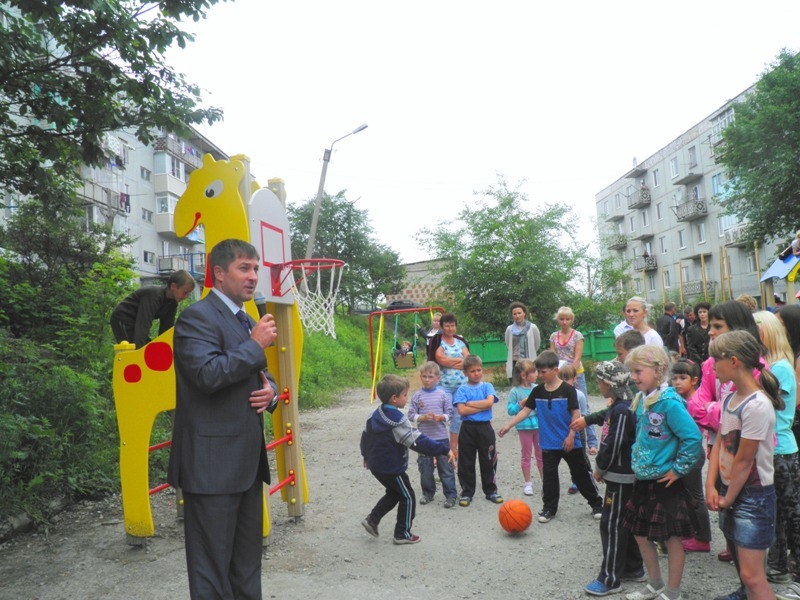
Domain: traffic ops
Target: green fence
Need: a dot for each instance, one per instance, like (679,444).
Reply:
(597,346)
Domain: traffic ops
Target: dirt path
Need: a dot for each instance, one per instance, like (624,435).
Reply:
(463,554)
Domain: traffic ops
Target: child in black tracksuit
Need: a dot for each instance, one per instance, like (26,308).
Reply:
(384,445)
(621,556)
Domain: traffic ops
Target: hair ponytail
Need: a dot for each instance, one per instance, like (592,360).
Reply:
(769,383)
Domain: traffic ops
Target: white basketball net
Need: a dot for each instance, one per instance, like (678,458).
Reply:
(315,290)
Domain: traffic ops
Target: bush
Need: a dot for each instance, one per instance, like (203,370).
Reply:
(57,433)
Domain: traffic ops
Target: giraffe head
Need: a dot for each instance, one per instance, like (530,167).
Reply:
(212,198)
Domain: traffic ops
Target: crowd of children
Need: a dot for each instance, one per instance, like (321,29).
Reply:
(650,455)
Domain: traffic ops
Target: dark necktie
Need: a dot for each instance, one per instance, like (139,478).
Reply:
(243,320)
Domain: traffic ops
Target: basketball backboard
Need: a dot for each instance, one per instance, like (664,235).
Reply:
(269,233)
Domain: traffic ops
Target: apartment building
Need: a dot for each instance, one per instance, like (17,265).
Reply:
(665,218)
(136,192)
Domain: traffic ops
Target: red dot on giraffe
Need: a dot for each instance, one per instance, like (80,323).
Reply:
(132,374)
(158,356)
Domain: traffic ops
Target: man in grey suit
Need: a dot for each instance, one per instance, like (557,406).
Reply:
(218,456)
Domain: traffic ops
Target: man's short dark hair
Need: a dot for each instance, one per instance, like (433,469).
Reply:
(227,251)
(181,279)
(546,360)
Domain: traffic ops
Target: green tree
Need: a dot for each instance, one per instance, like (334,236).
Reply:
(761,153)
(498,251)
(71,71)
(344,232)
(599,292)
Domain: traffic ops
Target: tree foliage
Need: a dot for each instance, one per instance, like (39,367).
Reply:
(497,251)
(761,153)
(70,71)
(344,232)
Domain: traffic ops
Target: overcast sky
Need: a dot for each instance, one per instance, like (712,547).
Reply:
(561,95)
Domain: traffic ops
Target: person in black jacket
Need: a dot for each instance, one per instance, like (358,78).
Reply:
(384,445)
(697,335)
(621,556)
(132,318)
(668,328)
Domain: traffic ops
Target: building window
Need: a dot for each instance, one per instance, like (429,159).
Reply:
(701,233)
(662,243)
(660,211)
(656,178)
(651,282)
(175,168)
(149,258)
(751,262)
(717,187)
(685,273)
(725,222)
(617,200)
(620,228)
(667,283)
(605,207)
(648,249)
(145,174)
(681,239)
(638,285)
(645,219)
(673,168)
(692,157)
(719,123)
(147,215)
(632,221)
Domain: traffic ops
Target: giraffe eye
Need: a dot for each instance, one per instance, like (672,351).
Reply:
(214,189)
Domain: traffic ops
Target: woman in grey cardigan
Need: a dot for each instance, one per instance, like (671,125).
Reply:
(522,337)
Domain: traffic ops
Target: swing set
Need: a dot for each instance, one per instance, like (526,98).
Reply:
(402,360)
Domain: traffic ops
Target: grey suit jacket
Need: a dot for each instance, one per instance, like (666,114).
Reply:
(218,439)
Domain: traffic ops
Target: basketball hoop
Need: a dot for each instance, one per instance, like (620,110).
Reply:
(316,285)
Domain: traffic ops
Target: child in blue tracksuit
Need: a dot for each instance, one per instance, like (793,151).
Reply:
(668,444)
(384,445)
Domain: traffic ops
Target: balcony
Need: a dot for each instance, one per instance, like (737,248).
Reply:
(639,199)
(614,215)
(690,210)
(617,241)
(645,263)
(194,263)
(179,150)
(696,288)
(735,236)
(644,234)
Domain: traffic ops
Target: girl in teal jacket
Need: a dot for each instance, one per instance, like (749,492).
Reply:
(668,443)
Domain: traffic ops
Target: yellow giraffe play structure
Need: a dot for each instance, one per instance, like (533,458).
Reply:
(223,198)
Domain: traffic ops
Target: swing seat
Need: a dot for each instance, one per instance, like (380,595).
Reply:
(404,361)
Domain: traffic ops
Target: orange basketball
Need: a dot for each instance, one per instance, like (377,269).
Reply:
(515,516)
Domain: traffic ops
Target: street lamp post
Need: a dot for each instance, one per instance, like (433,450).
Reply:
(312,234)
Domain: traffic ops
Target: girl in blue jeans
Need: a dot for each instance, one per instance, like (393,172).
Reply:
(740,472)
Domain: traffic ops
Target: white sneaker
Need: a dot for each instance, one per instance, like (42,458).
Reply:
(527,489)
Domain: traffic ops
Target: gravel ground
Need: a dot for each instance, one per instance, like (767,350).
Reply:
(327,554)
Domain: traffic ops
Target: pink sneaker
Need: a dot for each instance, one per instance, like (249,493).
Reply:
(692,545)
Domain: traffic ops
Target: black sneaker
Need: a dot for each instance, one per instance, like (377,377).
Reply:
(597,512)
(425,500)
(546,516)
(371,526)
(495,497)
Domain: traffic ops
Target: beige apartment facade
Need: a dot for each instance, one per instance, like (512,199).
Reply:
(665,218)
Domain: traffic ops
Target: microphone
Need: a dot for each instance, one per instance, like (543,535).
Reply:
(261,303)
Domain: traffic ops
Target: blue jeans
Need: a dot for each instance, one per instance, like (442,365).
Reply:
(750,522)
(446,475)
